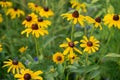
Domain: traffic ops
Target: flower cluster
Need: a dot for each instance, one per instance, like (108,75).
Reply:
(20,71)
(36,24)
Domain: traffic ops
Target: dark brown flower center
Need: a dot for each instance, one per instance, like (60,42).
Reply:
(14,62)
(59,58)
(36,5)
(89,43)
(15,9)
(28,18)
(71,44)
(34,26)
(40,19)
(46,9)
(116,17)
(98,19)
(75,14)
(27,76)
(73,57)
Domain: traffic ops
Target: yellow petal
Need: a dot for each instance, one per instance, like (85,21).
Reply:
(63,45)
(10,68)
(66,51)
(77,50)
(38,72)
(68,39)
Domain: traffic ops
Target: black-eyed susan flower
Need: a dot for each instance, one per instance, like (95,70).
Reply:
(58,57)
(112,20)
(75,17)
(1,48)
(72,57)
(96,22)
(90,45)
(26,74)
(30,19)
(23,49)
(13,65)
(5,3)
(46,12)
(70,46)
(15,12)
(75,4)
(34,7)
(43,23)
(1,19)
(35,30)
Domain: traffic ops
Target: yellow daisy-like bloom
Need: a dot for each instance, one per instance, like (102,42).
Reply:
(78,5)
(34,7)
(72,57)
(75,17)
(30,19)
(43,23)
(1,19)
(26,74)
(1,48)
(90,45)
(70,46)
(112,20)
(96,21)
(58,58)
(23,49)
(5,3)
(46,12)
(35,30)
(14,65)
(14,12)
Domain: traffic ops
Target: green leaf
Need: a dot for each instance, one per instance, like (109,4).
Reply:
(94,74)
(78,34)
(29,57)
(112,55)
(86,69)
(49,77)
(60,68)
(94,1)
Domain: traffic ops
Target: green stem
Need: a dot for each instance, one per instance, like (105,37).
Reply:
(92,31)
(109,38)
(72,32)
(67,77)
(86,59)
(85,31)
(46,3)
(36,46)
(86,64)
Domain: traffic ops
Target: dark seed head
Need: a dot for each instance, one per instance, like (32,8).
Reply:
(59,58)
(34,26)
(15,9)
(89,43)
(73,57)
(46,9)
(40,19)
(36,5)
(116,17)
(75,14)
(71,44)
(14,62)
(98,19)
(27,76)
(28,18)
